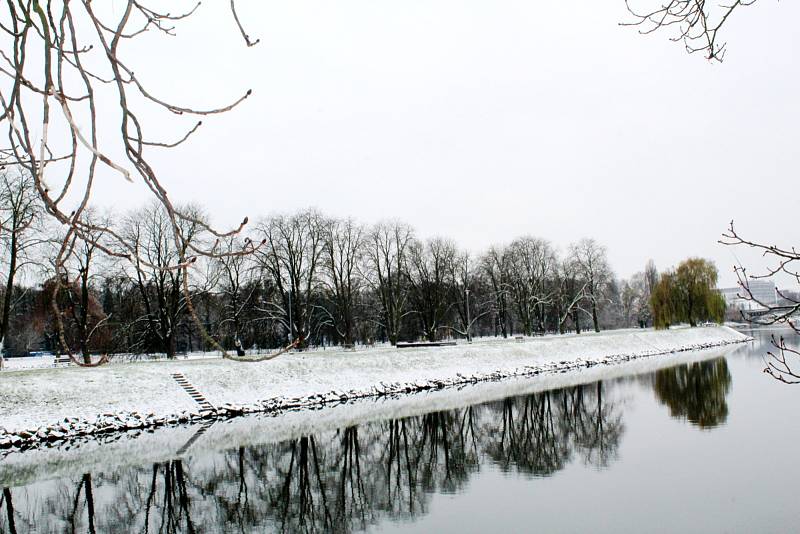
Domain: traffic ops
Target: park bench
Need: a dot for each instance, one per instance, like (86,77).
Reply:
(416,344)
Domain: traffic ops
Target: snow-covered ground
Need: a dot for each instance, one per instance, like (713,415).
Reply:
(31,399)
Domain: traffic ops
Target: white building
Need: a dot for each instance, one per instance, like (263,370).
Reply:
(763,291)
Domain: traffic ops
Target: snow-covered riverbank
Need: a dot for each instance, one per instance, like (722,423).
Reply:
(56,404)
(110,452)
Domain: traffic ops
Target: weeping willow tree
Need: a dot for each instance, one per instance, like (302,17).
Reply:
(688,294)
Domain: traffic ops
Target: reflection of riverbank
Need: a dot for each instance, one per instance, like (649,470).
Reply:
(19,468)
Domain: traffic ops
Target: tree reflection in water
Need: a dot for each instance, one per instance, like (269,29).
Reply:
(696,392)
(339,481)
(10,516)
(539,433)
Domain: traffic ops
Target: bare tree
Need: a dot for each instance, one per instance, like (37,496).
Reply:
(469,293)
(159,281)
(531,263)
(386,271)
(344,252)
(234,275)
(20,218)
(640,291)
(629,299)
(570,294)
(650,277)
(83,310)
(695,23)
(590,260)
(635,295)
(429,273)
(496,264)
(293,261)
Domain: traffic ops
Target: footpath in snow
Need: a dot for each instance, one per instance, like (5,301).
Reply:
(52,405)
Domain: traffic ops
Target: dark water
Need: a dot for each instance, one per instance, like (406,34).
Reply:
(702,447)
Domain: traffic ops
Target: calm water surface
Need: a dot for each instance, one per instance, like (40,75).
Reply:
(703,447)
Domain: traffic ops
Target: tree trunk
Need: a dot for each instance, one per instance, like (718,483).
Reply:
(206,345)
(236,326)
(84,326)
(87,480)
(12,267)
(348,323)
(9,511)
(170,344)
(594,316)
(503,321)
(87,358)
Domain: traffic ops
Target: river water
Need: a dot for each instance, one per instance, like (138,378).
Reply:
(708,446)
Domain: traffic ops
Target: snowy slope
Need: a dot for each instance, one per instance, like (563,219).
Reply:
(32,398)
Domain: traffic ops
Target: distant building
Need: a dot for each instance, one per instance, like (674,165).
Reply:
(789,297)
(763,291)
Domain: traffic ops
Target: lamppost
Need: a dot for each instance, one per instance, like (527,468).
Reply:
(469,337)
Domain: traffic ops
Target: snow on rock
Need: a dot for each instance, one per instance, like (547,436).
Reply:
(53,405)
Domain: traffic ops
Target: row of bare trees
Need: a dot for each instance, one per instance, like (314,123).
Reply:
(302,276)
(65,72)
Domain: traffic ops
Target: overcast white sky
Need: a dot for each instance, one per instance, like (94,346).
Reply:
(486,120)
